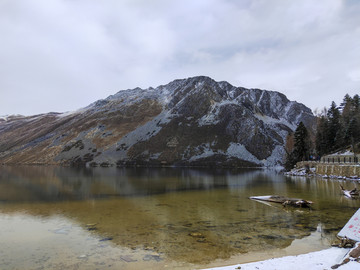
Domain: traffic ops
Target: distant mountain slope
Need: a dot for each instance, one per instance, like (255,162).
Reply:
(189,122)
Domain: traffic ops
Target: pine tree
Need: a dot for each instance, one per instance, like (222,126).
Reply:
(350,119)
(346,108)
(355,121)
(356,104)
(339,127)
(346,101)
(290,161)
(353,133)
(301,146)
(334,135)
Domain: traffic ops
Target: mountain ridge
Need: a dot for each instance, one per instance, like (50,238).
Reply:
(187,122)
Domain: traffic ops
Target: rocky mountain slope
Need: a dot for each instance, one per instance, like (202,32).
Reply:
(189,122)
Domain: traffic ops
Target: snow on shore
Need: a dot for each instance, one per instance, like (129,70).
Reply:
(312,172)
(318,260)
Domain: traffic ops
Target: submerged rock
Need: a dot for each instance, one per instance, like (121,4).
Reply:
(127,258)
(150,257)
(197,235)
(106,239)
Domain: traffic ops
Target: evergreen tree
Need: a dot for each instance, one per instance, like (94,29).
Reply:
(340,127)
(301,145)
(350,119)
(346,101)
(356,104)
(353,133)
(290,161)
(334,132)
(355,120)
(346,109)
(354,129)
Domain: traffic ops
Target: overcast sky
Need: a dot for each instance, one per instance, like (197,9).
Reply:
(61,55)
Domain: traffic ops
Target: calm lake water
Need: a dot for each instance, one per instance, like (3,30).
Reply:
(115,218)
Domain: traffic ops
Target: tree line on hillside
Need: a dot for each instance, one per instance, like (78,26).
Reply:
(337,128)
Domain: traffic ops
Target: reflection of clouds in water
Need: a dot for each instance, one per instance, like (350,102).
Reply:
(56,242)
(62,230)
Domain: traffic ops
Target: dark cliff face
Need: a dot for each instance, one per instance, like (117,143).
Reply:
(189,122)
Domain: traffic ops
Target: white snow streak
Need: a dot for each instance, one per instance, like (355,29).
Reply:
(239,151)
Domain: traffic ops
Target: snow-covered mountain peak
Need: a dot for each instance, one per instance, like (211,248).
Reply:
(194,121)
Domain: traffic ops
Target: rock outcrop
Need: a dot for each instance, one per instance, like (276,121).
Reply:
(189,122)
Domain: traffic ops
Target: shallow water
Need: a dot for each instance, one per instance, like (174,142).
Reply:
(96,218)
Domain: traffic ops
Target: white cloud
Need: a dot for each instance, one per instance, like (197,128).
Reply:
(354,75)
(60,55)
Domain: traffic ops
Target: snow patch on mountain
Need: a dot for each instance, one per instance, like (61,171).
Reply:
(276,157)
(212,118)
(144,132)
(273,121)
(65,114)
(239,151)
(11,117)
(203,151)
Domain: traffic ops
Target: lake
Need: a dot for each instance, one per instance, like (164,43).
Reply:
(160,218)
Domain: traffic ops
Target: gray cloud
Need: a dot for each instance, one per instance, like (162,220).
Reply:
(61,55)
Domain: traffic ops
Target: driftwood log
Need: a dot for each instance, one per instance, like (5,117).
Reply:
(283,200)
(350,193)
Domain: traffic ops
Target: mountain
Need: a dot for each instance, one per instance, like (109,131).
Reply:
(188,122)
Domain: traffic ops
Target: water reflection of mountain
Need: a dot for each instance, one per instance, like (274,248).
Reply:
(33,183)
(214,220)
